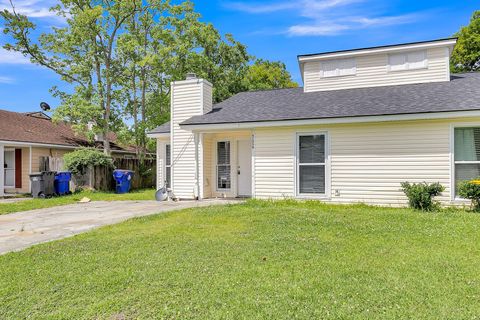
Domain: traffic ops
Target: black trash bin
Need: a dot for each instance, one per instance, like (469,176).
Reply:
(43,184)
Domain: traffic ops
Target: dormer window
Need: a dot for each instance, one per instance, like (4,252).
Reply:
(407,61)
(338,67)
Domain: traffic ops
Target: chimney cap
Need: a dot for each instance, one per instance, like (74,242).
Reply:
(190,76)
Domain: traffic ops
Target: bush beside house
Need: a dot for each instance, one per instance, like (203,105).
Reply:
(471,190)
(420,195)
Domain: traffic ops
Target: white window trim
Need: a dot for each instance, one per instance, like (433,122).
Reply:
(167,166)
(216,167)
(453,197)
(322,196)
(11,169)
(337,71)
(407,66)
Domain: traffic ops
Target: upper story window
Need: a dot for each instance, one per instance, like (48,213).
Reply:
(407,61)
(338,67)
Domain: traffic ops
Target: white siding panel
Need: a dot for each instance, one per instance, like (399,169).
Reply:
(368,161)
(188,99)
(372,71)
(274,163)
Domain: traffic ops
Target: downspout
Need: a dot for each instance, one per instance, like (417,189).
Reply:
(253,163)
(30,169)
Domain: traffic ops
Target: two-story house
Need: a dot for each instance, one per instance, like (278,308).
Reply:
(365,121)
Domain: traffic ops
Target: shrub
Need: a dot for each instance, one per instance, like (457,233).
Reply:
(470,190)
(420,195)
(79,160)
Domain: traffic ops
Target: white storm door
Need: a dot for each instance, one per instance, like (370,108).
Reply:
(9,167)
(244,168)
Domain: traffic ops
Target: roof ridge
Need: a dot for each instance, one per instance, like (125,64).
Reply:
(376,47)
(274,89)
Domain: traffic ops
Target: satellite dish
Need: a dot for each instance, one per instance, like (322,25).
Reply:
(44,106)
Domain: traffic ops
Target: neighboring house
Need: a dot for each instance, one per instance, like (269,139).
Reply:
(365,121)
(27,137)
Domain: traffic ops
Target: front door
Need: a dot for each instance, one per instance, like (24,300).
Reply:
(9,167)
(244,168)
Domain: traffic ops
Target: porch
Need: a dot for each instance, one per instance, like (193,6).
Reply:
(227,164)
(207,165)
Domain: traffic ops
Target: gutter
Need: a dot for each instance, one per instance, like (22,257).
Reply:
(47,145)
(338,120)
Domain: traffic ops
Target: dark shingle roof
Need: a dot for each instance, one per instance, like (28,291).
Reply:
(460,94)
(164,128)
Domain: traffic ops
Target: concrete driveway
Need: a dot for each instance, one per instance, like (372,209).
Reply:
(23,229)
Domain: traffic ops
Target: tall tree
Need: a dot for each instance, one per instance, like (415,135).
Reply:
(83,54)
(264,74)
(121,56)
(466,55)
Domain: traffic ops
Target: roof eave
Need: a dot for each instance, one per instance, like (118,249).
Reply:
(449,42)
(322,121)
(158,134)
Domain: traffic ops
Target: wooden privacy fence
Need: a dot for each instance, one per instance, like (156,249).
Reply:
(101,177)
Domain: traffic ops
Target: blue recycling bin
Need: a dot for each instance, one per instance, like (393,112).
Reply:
(123,179)
(62,182)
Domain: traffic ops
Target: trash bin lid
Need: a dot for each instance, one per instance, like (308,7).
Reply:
(35,174)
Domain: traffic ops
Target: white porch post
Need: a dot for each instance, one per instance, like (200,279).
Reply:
(199,164)
(2,170)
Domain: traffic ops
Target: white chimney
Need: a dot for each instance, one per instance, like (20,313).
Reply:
(189,98)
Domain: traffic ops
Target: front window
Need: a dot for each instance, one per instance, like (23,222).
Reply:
(311,164)
(168,167)
(467,154)
(223,165)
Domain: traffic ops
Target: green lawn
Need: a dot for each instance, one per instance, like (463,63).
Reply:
(147,194)
(259,260)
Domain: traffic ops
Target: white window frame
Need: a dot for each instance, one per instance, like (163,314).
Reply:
(453,196)
(10,169)
(326,163)
(407,65)
(168,145)
(217,165)
(337,70)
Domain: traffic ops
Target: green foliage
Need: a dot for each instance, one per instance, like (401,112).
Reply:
(470,190)
(259,260)
(264,74)
(120,57)
(466,55)
(79,160)
(420,195)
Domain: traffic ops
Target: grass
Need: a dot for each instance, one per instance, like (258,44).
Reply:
(259,260)
(31,204)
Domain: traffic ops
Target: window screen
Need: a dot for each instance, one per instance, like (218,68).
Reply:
(168,167)
(311,164)
(223,165)
(466,154)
